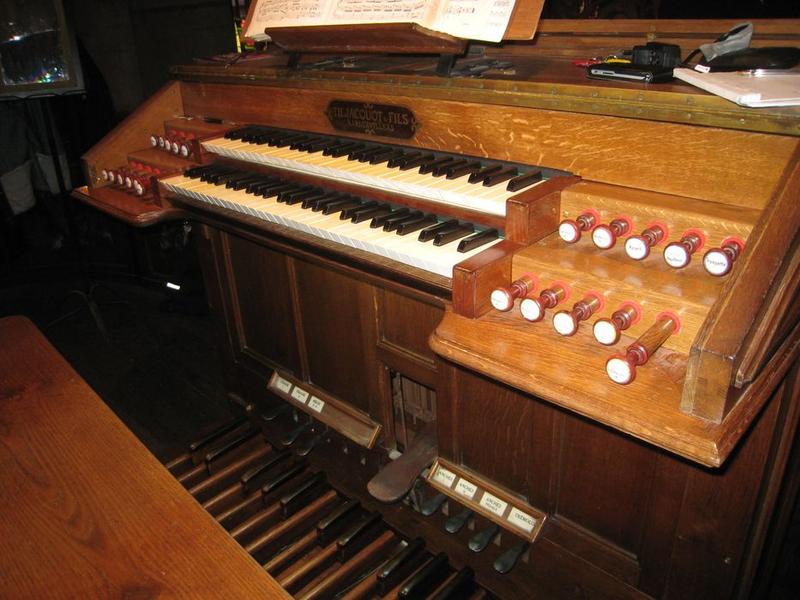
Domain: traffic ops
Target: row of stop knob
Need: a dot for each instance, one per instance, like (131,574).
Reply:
(621,368)
(136,181)
(176,143)
(677,254)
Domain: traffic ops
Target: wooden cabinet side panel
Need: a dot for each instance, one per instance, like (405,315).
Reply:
(338,317)
(264,319)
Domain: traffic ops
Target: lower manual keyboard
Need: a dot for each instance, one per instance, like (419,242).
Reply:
(410,237)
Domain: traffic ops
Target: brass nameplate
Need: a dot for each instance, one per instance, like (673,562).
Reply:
(373,119)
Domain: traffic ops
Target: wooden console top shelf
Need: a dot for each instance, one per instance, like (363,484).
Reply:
(88,512)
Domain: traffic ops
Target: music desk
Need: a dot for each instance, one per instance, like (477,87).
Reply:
(87,511)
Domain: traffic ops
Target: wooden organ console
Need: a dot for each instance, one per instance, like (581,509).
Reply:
(517,335)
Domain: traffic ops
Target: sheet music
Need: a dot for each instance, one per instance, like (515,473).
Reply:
(473,19)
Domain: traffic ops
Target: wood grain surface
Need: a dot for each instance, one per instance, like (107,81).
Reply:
(88,512)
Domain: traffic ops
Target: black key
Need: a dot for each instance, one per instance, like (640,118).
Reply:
(210,172)
(275,190)
(524,180)
(407,227)
(298,498)
(321,145)
(293,199)
(445,237)
(333,525)
(380,221)
(254,477)
(400,565)
(386,154)
(217,434)
(461,586)
(479,239)
(256,187)
(335,207)
(346,149)
(220,178)
(506,561)
(392,223)
(357,154)
(283,196)
(358,536)
(467,169)
(429,233)
(331,149)
(367,155)
(283,476)
(348,213)
(371,213)
(402,158)
(236,178)
(312,201)
(235,134)
(431,165)
(244,134)
(195,172)
(300,144)
(242,183)
(215,454)
(484,173)
(424,581)
(320,205)
(287,141)
(445,168)
(500,176)
(409,164)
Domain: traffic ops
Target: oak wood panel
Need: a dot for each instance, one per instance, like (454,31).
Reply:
(88,511)
(524,20)
(605,481)
(338,317)
(134,132)
(716,506)
(406,324)
(261,299)
(570,372)
(744,304)
(506,455)
(635,153)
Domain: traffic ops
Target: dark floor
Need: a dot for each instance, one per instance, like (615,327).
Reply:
(160,370)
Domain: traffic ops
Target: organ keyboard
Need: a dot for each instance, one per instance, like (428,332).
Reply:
(435,246)
(467,182)
(549,318)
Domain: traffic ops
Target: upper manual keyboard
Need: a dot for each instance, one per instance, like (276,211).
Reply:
(467,182)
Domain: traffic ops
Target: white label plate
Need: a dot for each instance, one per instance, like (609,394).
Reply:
(465,488)
(445,477)
(283,385)
(522,520)
(493,504)
(316,404)
(300,395)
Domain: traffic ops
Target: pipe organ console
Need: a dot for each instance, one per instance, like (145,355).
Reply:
(519,335)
